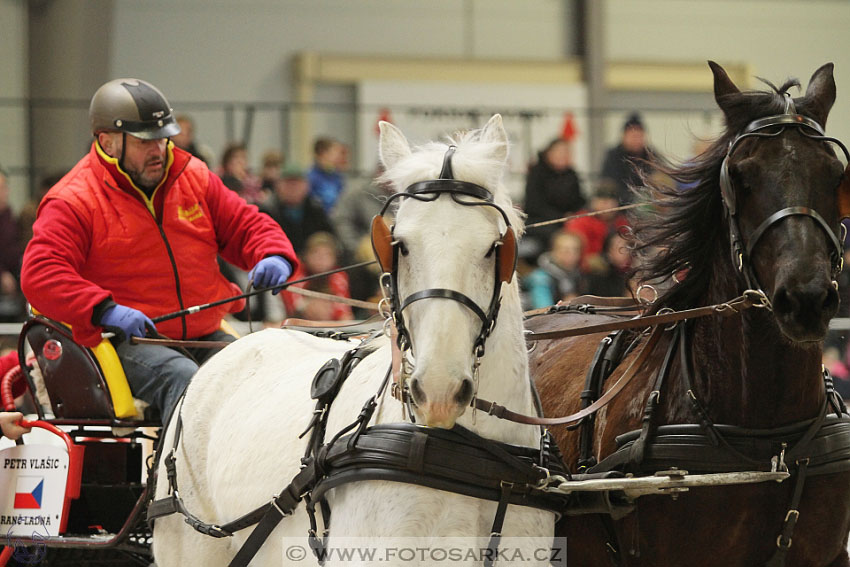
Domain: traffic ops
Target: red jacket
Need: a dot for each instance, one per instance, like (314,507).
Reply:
(98,236)
(593,231)
(334,284)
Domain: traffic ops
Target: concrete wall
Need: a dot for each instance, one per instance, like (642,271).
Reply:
(13,89)
(779,38)
(206,52)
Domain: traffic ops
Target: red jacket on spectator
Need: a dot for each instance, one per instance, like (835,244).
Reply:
(334,284)
(593,231)
(96,234)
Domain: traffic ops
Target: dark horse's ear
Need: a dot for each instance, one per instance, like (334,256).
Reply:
(723,85)
(820,95)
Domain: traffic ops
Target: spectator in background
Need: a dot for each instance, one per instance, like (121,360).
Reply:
(608,274)
(319,256)
(343,160)
(185,140)
(552,191)
(12,304)
(272,164)
(558,276)
(324,177)
(292,207)
(352,216)
(236,176)
(627,161)
(26,218)
(594,229)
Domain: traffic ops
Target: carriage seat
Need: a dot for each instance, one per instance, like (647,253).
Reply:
(81,383)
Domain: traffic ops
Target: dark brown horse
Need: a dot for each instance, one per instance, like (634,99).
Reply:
(747,383)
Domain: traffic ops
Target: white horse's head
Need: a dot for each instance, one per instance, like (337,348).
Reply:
(445,247)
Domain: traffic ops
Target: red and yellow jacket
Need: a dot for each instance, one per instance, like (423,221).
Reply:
(98,236)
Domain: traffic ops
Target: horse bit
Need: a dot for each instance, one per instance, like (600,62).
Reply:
(388,249)
(742,253)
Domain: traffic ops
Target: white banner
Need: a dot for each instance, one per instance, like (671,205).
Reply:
(32,489)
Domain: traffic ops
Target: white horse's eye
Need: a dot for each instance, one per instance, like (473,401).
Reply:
(402,247)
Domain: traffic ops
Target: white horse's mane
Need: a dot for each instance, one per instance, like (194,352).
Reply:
(473,161)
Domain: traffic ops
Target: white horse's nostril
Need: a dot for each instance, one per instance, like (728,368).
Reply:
(419,397)
(465,392)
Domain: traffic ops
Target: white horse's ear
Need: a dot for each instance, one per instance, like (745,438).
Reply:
(494,133)
(393,146)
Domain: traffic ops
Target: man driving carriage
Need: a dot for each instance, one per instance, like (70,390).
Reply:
(133,231)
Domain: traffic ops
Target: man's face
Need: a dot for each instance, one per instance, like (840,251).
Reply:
(634,140)
(292,190)
(144,160)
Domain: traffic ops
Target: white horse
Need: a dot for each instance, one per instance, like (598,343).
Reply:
(245,408)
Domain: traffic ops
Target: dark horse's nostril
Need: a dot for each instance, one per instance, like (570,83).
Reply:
(814,298)
(832,299)
(782,302)
(465,392)
(417,392)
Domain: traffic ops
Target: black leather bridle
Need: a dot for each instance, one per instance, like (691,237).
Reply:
(503,250)
(742,253)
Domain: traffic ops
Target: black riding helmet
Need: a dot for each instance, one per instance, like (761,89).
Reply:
(132,106)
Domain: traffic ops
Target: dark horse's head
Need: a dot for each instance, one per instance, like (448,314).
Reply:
(763,210)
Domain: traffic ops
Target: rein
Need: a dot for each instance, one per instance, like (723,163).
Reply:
(750,298)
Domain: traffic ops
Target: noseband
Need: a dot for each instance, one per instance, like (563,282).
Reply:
(387,250)
(742,254)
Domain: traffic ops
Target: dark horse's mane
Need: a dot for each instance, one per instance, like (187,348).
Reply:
(682,228)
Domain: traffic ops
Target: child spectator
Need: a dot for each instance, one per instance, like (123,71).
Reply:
(325,178)
(594,229)
(558,276)
(272,165)
(319,256)
(608,272)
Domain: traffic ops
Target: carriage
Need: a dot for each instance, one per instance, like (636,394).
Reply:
(417,436)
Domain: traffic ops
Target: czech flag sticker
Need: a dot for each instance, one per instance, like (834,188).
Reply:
(28,492)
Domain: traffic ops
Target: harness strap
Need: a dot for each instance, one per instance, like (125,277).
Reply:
(502,412)
(706,423)
(783,540)
(638,450)
(796,211)
(442,293)
(749,299)
(498,522)
(282,506)
(593,383)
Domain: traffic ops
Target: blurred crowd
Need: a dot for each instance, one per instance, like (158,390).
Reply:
(327,218)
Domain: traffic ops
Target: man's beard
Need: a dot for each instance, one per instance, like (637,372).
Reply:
(144,182)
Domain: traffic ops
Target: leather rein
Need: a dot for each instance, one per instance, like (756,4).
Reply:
(750,298)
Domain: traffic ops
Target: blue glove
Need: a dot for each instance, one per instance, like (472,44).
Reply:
(271,272)
(126,322)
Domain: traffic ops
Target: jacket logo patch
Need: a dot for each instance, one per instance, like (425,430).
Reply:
(190,214)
